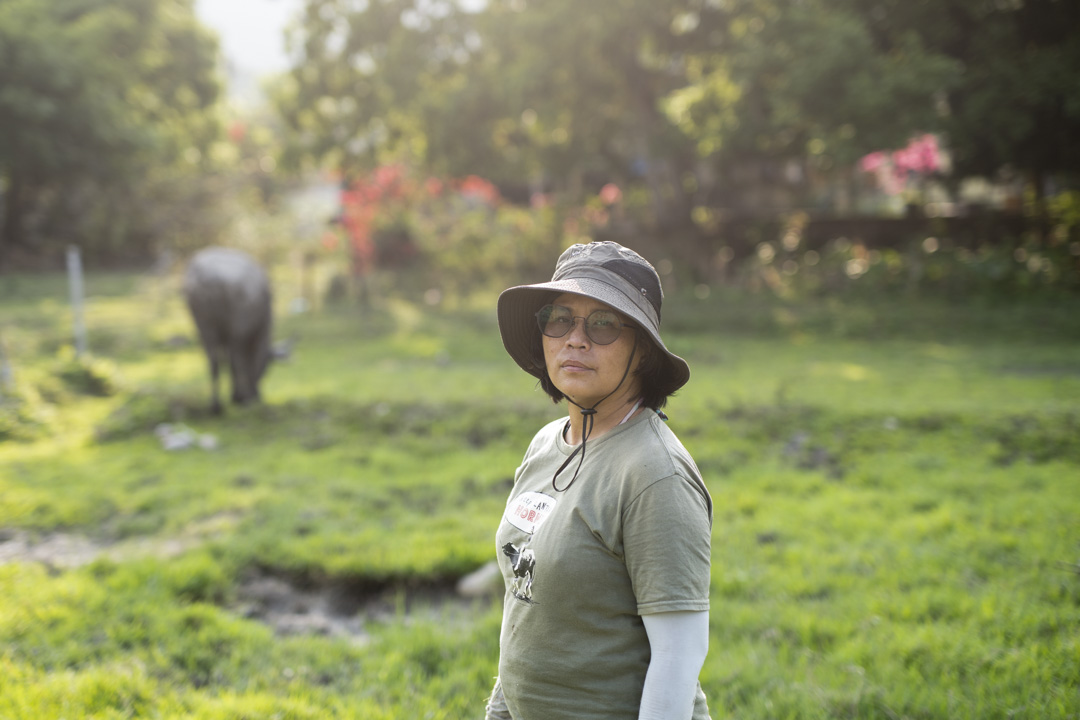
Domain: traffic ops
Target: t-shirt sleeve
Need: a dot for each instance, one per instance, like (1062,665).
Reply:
(667,534)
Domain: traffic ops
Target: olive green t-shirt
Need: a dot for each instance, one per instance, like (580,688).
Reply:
(631,536)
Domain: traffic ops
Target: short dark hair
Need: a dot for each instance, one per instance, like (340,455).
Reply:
(650,371)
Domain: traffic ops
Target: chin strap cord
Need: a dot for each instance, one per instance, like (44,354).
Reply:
(587,427)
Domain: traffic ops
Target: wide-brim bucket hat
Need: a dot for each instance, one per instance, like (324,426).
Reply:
(604,271)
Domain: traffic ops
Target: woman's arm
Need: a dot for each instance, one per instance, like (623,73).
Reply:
(679,642)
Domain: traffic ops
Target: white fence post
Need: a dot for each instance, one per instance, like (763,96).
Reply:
(75,285)
(7,376)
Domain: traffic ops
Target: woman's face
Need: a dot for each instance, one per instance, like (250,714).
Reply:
(583,370)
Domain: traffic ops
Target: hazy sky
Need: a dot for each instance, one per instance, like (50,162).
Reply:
(250,30)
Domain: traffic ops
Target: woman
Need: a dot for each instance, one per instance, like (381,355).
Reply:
(604,545)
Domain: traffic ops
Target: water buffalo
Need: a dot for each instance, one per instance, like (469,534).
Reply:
(230,300)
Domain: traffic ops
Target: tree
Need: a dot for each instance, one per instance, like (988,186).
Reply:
(96,97)
(1018,105)
(806,80)
(350,101)
(682,97)
(586,81)
(833,80)
(549,93)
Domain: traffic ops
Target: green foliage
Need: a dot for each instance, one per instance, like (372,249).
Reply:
(525,95)
(939,263)
(738,106)
(1016,106)
(811,80)
(87,375)
(29,410)
(1065,208)
(114,138)
(24,415)
(108,110)
(137,646)
(1039,439)
(466,249)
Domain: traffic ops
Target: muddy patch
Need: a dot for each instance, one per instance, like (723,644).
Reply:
(330,608)
(57,550)
(291,610)
(348,610)
(65,551)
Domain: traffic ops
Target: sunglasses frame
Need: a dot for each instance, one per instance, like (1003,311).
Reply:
(574,318)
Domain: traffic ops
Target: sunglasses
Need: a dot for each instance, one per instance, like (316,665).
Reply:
(603,327)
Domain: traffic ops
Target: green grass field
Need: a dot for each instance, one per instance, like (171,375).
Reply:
(896,483)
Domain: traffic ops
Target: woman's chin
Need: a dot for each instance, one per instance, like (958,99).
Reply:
(581,397)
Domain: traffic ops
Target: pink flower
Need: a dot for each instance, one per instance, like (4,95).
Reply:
(921,155)
(610,194)
(871,162)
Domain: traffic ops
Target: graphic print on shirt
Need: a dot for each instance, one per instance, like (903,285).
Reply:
(526,512)
(524,564)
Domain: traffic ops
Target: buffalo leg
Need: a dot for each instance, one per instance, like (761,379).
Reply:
(215,402)
(239,377)
(245,389)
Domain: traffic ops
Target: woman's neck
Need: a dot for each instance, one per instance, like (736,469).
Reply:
(612,412)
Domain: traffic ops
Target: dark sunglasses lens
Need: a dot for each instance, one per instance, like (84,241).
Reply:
(603,327)
(555,320)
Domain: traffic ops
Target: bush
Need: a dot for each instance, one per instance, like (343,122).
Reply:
(87,375)
(24,415)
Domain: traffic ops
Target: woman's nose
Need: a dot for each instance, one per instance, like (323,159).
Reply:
(577,335)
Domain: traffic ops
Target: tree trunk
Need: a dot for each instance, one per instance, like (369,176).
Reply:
(11,231)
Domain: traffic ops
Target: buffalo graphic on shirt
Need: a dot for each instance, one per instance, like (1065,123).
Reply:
(524,564)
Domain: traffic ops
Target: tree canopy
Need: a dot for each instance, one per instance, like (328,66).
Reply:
(98,98)
(109,104)
(1018,101)
(553,90)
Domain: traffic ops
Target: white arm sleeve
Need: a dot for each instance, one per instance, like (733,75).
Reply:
(679,642)
(496,706)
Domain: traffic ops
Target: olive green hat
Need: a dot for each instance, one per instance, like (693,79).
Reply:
(604,271)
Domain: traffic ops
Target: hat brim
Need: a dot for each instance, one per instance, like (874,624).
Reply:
(517,308)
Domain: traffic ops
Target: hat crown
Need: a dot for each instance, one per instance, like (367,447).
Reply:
(584,260)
